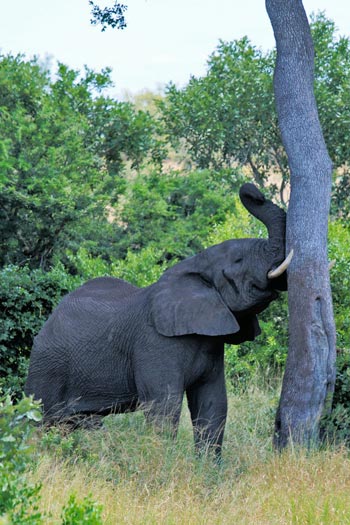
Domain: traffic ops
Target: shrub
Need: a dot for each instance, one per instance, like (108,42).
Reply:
(18,499)
(27,297)
(267,353)
(339,242)
(336,425)
(141,268)
(86,512)
(174,211)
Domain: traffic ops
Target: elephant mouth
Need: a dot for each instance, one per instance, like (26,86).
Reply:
(263,304)
(264,295)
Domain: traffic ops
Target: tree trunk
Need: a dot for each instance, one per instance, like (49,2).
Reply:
(310,369)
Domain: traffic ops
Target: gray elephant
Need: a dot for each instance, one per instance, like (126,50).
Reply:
(111,347)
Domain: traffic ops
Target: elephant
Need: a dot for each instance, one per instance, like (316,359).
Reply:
(112,347)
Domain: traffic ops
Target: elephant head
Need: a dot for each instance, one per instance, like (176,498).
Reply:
(219,291)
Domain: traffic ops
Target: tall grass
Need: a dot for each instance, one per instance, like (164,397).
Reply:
(141,477)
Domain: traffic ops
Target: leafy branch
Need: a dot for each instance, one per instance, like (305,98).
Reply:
(109,16)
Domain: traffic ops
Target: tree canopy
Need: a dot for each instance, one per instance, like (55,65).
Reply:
(227,117)
(63,148)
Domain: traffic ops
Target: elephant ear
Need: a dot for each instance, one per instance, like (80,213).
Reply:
(186,304)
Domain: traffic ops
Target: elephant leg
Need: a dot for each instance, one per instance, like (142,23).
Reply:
(163,411)
(160,397)
(208,407)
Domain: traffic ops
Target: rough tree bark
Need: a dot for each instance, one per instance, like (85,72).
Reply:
(310,369)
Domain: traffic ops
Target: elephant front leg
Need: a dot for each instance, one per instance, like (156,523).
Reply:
(208,407)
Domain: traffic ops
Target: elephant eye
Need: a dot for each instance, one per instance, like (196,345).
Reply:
(239,260)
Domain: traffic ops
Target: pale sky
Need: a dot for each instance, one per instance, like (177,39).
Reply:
(166,40)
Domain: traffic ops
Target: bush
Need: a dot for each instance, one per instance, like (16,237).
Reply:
(141,268)
(339,242)
(336,425)
(175,212)
(267,354)
(26,300)
(18,499)
(86,512)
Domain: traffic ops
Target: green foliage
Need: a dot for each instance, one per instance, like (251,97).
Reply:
(109,16)
(27,297)
(339,242)
(18,498)
(267,354)
(141,269)
(336,424)
(238,224)
(174,212)
(332,71)
(227,117)
(126,132)
(332,90)
(62,151)
(86,512)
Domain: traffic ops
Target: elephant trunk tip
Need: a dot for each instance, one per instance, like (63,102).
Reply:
(271,215)
(250,195)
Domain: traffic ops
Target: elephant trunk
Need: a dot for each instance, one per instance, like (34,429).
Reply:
(271,215)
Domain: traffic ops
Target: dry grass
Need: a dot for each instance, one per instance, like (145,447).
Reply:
(142,478)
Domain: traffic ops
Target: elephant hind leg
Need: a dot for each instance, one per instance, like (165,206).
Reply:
(160,393)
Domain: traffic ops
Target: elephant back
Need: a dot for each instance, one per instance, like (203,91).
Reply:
(105,288)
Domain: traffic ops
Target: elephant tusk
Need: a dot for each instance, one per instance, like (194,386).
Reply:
(331,264)
(282,267)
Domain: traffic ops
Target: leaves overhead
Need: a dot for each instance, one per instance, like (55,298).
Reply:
(109,16)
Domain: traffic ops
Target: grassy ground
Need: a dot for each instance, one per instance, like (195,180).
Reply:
(143,478)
